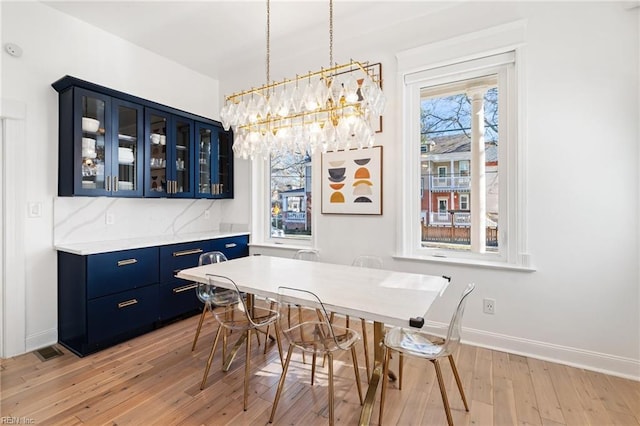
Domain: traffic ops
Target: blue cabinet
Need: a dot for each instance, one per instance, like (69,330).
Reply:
(106,298)
(115,144)
(214,165)
(100,145)
(178,296)
(169,156)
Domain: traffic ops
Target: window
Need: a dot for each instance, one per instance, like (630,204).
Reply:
(460,159)
(290,184)
(453,137)
(464,202)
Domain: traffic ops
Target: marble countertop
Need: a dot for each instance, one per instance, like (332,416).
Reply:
(94,247)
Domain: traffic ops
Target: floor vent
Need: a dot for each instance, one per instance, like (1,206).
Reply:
(50,352)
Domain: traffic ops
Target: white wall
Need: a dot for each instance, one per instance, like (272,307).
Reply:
(55,45)
(582,304)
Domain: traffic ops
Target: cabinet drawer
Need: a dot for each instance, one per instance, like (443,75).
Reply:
(176,257)
(120,313)
(178,297)
(110,273)
(232,247)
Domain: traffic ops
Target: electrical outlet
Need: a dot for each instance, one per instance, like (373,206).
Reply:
(207,215)
(109,218)
(489,306)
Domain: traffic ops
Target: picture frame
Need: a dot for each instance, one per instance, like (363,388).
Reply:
(352,181)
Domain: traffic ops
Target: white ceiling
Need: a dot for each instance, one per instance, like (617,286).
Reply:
(210,36)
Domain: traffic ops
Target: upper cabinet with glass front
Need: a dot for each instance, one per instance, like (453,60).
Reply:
(214,176)
(100,145)
(169,155)
(115,144)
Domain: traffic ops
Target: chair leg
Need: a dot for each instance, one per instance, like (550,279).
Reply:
(365,342)
(279,343)
(313,367)
(331,414)
(213,350)
(383,392)
(443,391)
(357,371)
(195,339)
(266,340)
(304,360)
(247,370)
(455,374)
(281,384)
(225,335)
(400,367)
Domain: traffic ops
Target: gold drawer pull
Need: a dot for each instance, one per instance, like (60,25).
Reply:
(127,262)
(230,245)
(185,288)
(186,252)
(127,303)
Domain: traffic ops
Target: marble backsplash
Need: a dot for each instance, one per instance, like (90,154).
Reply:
(86,219)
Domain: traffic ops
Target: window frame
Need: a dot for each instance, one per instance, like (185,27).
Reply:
(413,75)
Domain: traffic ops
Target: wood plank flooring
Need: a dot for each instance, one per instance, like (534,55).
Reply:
(155,380)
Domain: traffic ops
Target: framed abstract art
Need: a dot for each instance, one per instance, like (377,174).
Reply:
(352,181)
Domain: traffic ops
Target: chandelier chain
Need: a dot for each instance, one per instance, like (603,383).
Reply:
(268,41)
(330,33)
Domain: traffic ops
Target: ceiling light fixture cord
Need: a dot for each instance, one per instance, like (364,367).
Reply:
(268,41)
(330,33)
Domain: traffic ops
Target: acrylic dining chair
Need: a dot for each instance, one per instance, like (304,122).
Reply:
(247,319)
(208,300)
(307,254)
(422,345)
(312,332)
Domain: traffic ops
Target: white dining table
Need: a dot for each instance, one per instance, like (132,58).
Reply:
(379,295)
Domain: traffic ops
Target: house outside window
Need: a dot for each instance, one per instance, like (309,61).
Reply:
(290,185)
(462,118)
(447,126)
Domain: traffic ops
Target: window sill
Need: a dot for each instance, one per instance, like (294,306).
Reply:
(466,262)
(282,246)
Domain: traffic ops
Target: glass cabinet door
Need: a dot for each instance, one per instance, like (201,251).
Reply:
(181,183)
(204,142)
(224,170)
(94,155)
(157,157)
(215,165)
(127,152)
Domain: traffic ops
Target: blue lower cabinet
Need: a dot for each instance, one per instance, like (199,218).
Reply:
(178,298)
(176,257)
(122,314)
(110,273)
(107,298)
(232,247)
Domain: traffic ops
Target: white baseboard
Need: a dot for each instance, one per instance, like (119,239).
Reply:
(627,368)
(42,339)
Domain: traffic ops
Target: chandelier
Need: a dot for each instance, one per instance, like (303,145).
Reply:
(326,110)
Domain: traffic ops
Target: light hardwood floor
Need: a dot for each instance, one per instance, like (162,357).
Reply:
(154,380)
